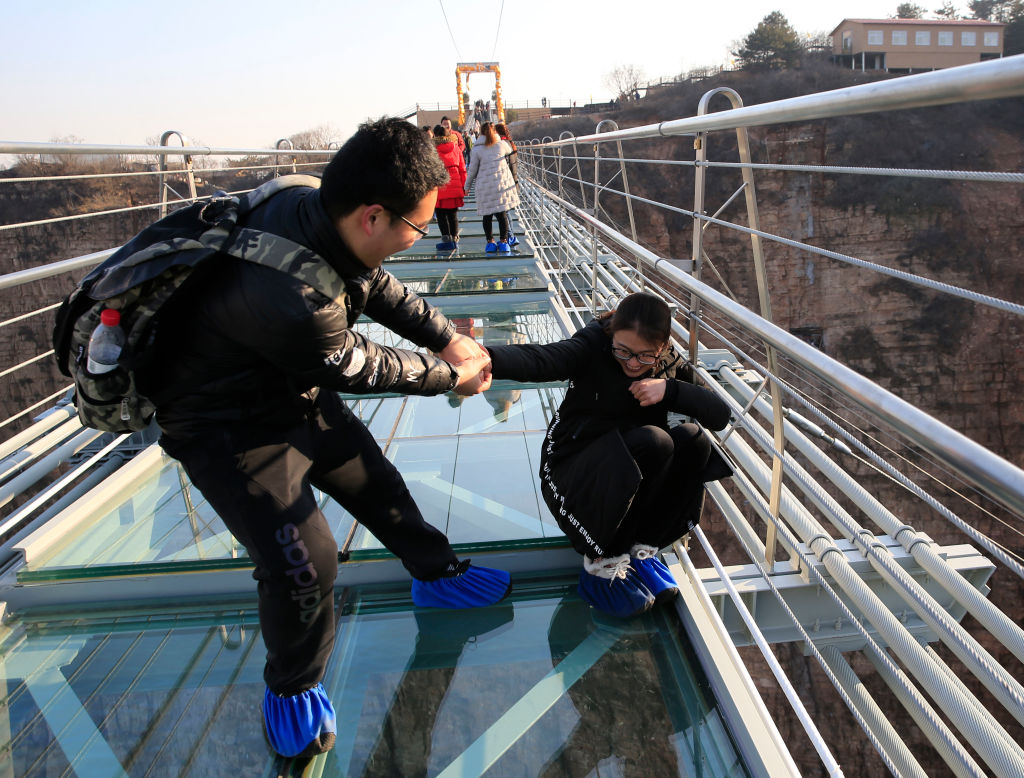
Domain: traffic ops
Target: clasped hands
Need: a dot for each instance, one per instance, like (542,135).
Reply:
(472,363)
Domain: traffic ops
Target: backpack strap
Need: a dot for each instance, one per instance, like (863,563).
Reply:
(265,248)
(250,200)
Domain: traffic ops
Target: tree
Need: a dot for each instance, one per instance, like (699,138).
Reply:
(625,81)
(1005,11)
(318,137)
(773,45)
(909,11)
(983,9)
(947,11)
(1010,13)
(819,42)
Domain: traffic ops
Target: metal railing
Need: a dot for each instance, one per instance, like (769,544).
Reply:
(30,453)
(807,426)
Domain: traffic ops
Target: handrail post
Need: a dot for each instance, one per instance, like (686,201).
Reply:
(613,126)
(277,171)
(750,195)
(593,228)
(189,172)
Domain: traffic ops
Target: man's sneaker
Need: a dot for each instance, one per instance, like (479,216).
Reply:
(612,586)
(301,725)
(503,248)
(462,586)
(653,572)
(491,247)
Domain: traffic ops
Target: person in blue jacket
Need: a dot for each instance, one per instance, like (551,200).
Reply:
(621,482)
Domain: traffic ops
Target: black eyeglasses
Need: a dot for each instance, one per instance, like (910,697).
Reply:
(645,358)
(423,233)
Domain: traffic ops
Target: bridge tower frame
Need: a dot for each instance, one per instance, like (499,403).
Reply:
(478,67)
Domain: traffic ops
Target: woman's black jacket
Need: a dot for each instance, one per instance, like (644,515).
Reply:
(582,454)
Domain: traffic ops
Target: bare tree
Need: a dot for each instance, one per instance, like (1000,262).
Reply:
(319,137)
(625,81)
(947,11)
(818,42)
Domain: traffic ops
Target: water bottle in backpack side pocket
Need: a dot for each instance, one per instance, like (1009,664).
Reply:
(105,343)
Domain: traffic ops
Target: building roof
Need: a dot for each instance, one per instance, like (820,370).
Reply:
(928,22)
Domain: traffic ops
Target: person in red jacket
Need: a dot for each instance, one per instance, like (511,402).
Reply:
(451,196)
(447,124)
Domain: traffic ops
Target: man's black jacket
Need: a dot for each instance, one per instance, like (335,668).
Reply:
(249,345)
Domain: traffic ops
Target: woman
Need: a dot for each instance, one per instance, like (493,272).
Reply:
(619,481)
(496,191)
(451,196)
(512,160)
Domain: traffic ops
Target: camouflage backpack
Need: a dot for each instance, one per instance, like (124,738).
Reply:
(140,278)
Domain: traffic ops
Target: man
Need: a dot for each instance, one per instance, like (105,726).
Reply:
(447,124)
(251,363)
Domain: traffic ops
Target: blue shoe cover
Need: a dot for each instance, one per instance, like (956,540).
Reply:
(657,578)
(300,725)
(446,245)
(512,239)
(491,247)
(475,588)
(503,248)
(620,597)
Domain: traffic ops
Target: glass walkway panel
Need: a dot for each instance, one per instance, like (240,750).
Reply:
(537,685)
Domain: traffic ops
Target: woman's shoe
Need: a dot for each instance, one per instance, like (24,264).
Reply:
(655,575)
(302,725)
(612,586)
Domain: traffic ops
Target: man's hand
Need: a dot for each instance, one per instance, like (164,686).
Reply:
(474,373)
(649,391)
(461,347)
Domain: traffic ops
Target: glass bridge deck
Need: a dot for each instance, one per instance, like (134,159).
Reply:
(538,685)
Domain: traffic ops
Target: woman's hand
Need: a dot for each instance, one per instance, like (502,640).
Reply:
(648,391)
(474,375)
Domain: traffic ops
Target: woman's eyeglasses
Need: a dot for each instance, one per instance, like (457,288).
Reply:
(644,358)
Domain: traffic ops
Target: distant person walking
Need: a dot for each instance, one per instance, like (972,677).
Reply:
(513,158)
(446,123)
(496,192)
(450,196)
(513,165)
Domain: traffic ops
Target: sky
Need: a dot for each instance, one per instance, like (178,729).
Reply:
(243,75)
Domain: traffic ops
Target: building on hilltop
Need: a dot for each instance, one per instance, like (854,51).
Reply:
(911,45)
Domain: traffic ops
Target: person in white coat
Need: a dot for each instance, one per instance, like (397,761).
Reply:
(496,191)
